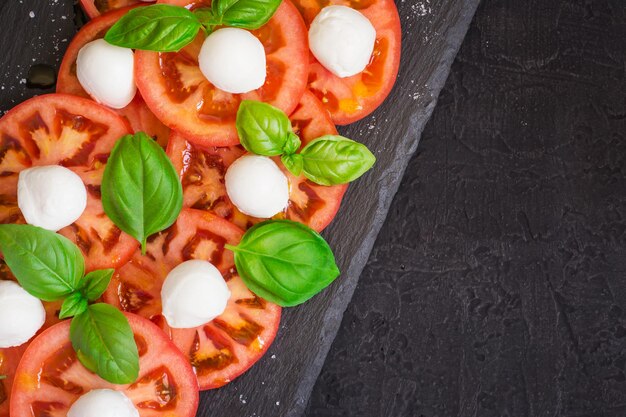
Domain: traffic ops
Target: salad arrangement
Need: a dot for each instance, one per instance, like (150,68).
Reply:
(159,210)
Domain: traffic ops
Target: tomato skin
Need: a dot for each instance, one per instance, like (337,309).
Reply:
(136,112)
(224,348)
(95,8)
(179,95)
(202,171)
(60,129)
(40,385)
(353,98)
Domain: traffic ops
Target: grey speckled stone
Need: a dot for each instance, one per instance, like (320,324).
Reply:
(280,384)
(497,286)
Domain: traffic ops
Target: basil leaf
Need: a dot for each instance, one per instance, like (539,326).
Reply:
(263,129)
(141,192)
(284,262)
(73,305)
(104,343)
(207,17)
(159,27)
(293,163)
(292,144)
(3,377)
(95,283)
(46,264)
(332,160)
(246,14)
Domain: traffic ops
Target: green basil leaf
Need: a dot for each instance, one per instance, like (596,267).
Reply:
(141,192)
(105,344)
(293,163)
(263,129)
(284,262)
(332,160)
(246,14)
(3,377)
(73,305)
(46,264)
(159,27)
(206,16)
(95,283)
(292,144)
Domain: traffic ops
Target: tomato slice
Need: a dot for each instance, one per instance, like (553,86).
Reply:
(226,347)
(95,8)
(137,112)
(352,98)
(49,379)
(180,96)
(202,171)
(59,129)
(10,357)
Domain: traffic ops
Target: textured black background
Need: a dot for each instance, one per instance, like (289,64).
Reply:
(279,385)
(497,286)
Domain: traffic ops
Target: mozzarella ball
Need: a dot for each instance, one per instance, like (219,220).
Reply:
(233,60)
(103,403)
(51,196)
(194,293)
(342,40)
(21,315)
(107,73)
(257,186)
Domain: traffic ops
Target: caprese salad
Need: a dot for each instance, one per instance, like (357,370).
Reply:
(158,210)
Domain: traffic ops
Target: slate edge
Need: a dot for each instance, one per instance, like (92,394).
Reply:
(410,138)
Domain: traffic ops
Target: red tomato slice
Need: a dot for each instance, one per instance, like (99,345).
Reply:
(137,112)
(227,346)
(202,171)
(351,99)
(180,96)
(95,8)
(10,357)
(49,379)
(59,129)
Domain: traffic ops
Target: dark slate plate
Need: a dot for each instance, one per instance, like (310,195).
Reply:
(37,32)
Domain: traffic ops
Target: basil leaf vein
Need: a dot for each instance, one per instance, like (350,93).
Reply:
(284,262)
(159,27)
(105,344)
(46,264)
(141,192)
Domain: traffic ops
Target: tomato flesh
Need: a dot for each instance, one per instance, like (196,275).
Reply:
(223,349)
(10,357)
(95,8)
(183,99)
(49,379)
(351,99)
(59,129)
(137,112)
(202,171)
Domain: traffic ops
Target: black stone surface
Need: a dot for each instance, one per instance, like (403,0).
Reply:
(497,286)
(280,384)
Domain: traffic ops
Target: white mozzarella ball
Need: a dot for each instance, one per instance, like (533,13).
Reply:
(21,315)
(51,196)
(194,293)
(257,186)
(103,403)
(342,40)
(107,73)
(233,60)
